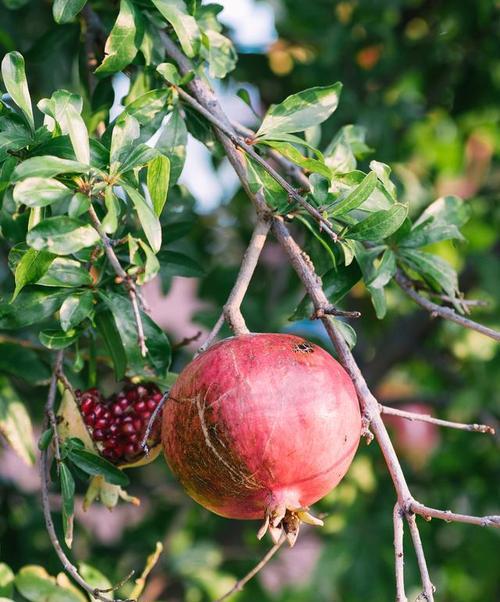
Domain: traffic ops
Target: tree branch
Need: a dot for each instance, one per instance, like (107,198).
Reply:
(429,589)
(478,428)
(240,584)
(438,310)
(123,277)
(51,422)
(399,554)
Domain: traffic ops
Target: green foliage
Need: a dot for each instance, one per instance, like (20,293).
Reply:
(410,93)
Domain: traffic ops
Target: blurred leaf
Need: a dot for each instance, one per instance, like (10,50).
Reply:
(378,301)
(62,235)
(169,72)
(65,11)
(433,269)
(14,135)
(110,220)
(301,111)
(58,339)
(379,225)
(221,55)
(33,265)
(68,502)
(75,309)
(14,79)
(40,192)
(6,580)
(47,166)
(185,26)
(347,146)
(151,562)
(24,363)
(356,197)
(107,329)
(78,205)
(158,181)
(15,423)
(385,270)
(95,578)
(96,465)
(173,263)
(149,220)
(36,585)
(172,143)
(45,439)
(123,41)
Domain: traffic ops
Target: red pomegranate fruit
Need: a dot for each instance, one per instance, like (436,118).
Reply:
(261,426)
(117,425)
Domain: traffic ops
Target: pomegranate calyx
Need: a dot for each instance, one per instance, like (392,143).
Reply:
(278,521)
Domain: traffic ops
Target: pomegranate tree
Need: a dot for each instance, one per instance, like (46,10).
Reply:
(261,426)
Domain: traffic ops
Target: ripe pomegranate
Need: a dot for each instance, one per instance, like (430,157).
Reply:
(262,426)
(116,425)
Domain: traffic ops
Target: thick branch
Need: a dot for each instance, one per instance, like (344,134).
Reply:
(123,277)
(443,312)
(478,428)
(240,584)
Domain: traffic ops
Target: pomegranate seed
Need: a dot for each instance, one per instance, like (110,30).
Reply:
(157,397)
(100,423)
(137,424)
(98,435)
(87,405)
(130,449)
(124,402)
(146,416)
(127,428)
(117,409)
(131,396)
(111,442)
(140,406)
(89,419)
(114,428)
(151,404)
(133,438)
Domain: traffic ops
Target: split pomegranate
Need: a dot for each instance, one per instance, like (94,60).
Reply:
(118,424)
(261,426)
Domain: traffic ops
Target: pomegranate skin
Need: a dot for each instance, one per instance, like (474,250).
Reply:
(259,422)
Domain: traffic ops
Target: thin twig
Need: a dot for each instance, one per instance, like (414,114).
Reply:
(123,277)
(438,310)
(452,517)
(399,553)
(186,341)
(478,428)
(240,584)
(429,589)
(232,313)
(50,421)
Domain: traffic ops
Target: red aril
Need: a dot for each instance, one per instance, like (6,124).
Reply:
(261,426)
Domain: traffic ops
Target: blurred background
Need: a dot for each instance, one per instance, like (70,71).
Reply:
(423,78)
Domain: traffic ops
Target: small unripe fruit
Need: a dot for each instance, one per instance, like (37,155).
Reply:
(261,426)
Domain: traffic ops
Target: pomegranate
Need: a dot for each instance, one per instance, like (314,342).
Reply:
(114,426)
(260,426)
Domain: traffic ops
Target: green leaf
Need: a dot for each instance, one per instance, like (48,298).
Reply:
(383,172)
(158,357)
(23,363)
(347,146)
(149,220)
(65,11)
(274,194)
(107,329)
(14,79)
(30,307)
(379,225)
(301,111)
(123,41)
(185,26)
(78,205)
(356,197)
(125,131)
(67,273)
(290,152)
(440,221)
(94,577)
(433,269)
(172,143)
(158,179)
(62,235)
(58,339)
(136,155)
(33,265)
(146,269)
(68,502)
(15,423)
(347,331)
(45,439)
(14,135)
(336,284)
(47,166)
(177,264)
(96,465)
(384,271)
(40,192)
(110,220)
(36,585)
(75,309)
(6,580)
(67,109)
(220,54)
(169,72)
(378,301)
